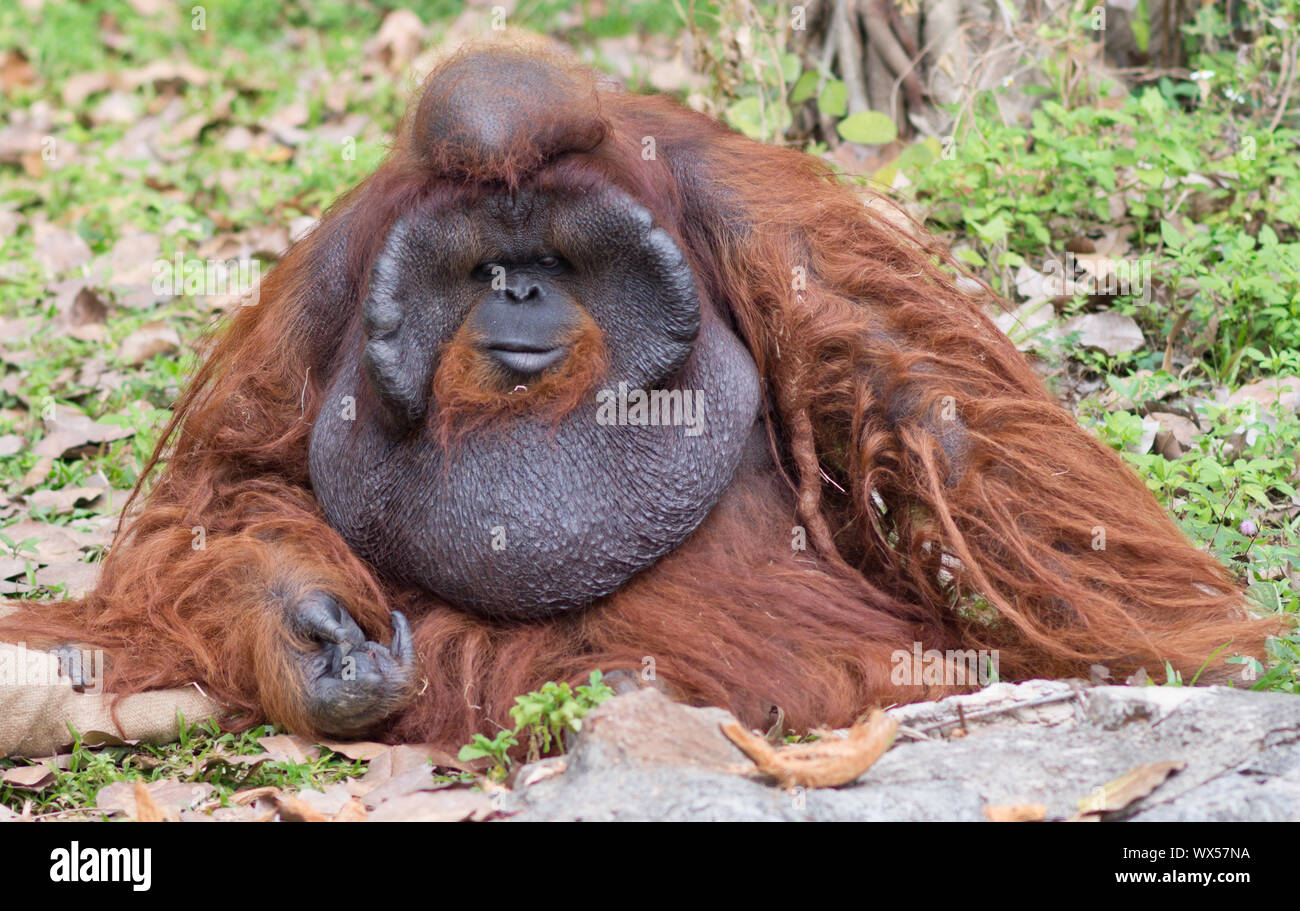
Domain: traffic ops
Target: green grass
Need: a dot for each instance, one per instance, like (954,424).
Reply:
(202,755)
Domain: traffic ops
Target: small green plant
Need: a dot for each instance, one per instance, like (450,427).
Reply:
(1172,676)
(496,748)
(545,717)
(549,714)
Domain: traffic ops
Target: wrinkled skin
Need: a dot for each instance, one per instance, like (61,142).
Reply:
(526,518)
(350,681)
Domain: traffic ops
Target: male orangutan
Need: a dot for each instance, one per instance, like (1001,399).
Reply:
(579,379)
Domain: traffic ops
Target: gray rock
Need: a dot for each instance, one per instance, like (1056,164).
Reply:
(643,757)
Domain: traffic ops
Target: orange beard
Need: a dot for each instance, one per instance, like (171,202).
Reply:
(471,391)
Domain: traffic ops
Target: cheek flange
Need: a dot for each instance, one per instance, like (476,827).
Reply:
(526,519)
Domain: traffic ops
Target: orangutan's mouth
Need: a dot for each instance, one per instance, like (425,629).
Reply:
(524,358)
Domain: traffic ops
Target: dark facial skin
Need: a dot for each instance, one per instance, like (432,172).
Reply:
(525,516)
(524,323)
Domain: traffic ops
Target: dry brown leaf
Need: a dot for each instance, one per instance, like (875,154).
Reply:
(251,795)
(1030,325)
(149,340)
(266,242)
(52,543)
(456,805)
(540,771)
(289,748)
(828,763)
(399,39)
(151,7)
(1033,285)
(1111,331)
(116,107)
(85,308)
(160,73)
(33,164)
(336,96)
(853,159)
(1023,812)
(1184,430)
(132,259)
(58,249)
(166,796)
(362,750)
(1176,436)
(146,810)
(17,142)
(1281,389)
(28,777)
(403,758)
(353,811)
(238,139)
(412,781)
(15,70)
(294,810)
(78,578)
(277,155)
(68,429)
(1097,265)
(94,738)
(327,802)
(1133,785)
(65,499)
(286,124)
(1113,242)
(80,86)
(39,471)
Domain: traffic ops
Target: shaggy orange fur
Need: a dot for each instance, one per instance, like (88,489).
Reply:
(472,392)
(867,352)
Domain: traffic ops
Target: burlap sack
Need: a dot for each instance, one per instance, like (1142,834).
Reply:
(37,706)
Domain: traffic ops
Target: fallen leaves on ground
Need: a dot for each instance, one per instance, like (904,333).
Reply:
(1024,812)
(1133,785)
